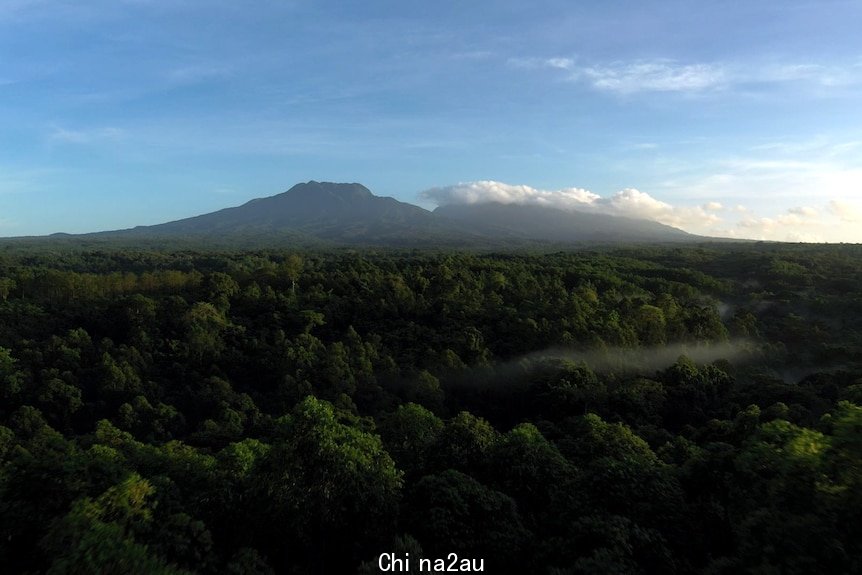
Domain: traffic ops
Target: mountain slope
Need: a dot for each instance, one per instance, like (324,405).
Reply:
(305,205)
(556,225)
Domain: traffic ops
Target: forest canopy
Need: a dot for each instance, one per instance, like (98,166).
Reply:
(685,409)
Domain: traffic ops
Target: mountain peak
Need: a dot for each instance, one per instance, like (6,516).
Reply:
(332,189)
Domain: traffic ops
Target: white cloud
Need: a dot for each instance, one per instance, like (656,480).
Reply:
(486,191)
(791,226)
(538,63)
(827,76)
(633,203)
(796,190)
(768,229)
(804,211)
(661,75)
(835,220)
(561,63)
(652,76)
(833,223)
(846,211)
(668,75)
(630,202)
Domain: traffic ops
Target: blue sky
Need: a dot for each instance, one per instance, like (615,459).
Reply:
(724,118)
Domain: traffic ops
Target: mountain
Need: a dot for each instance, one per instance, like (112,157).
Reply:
(555,225)
(324,213)
(314,205)
(314,212)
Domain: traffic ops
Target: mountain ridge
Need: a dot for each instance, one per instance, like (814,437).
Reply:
(328,213)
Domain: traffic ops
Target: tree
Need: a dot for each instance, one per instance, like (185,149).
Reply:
(650,324)
(567,389)
(220,288)
(452,512)
(6,287)
(205,325)
(526,466)
(325,486)
(409,434)
(589,437)
(11,379)
(98,536)
(463,443)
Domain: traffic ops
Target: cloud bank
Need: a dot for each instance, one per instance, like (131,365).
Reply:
(486,191)
(630,202)
(835,220)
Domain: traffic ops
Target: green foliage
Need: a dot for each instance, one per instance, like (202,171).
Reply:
(463,443)
(589,437)
(452,512)
(277,412)
(325,479)
(409,435)
(97,536)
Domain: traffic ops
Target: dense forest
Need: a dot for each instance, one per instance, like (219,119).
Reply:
(693,409)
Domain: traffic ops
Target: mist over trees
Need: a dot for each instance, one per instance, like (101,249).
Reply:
(687,409)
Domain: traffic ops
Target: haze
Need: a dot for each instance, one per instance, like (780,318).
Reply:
(721,119)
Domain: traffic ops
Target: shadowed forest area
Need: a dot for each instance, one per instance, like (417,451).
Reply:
(685,409)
